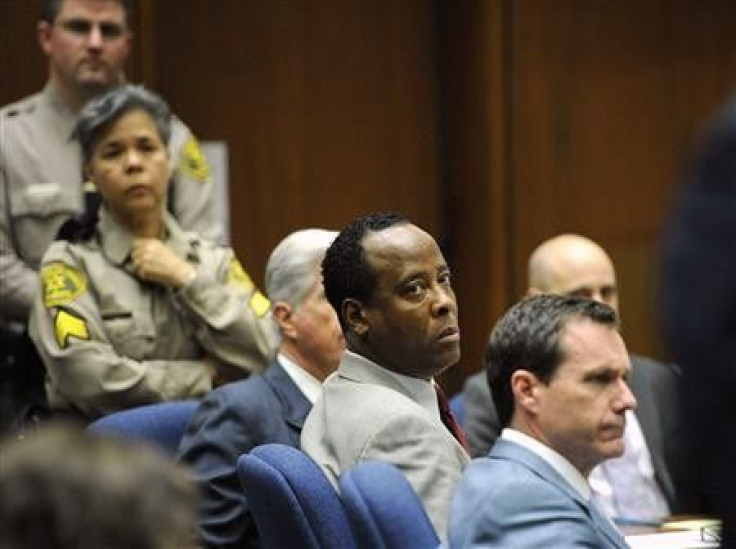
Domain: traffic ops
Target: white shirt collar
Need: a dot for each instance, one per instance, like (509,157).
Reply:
(559,463)
(307,383)
(421,391)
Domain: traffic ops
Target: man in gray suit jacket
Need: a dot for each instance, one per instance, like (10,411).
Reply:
(558,371)
(574,265)
(390,286)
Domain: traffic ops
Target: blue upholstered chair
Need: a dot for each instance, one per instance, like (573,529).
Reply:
(383,509)
(163,423)
(292,501)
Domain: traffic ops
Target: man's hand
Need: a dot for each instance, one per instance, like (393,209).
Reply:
(154,261)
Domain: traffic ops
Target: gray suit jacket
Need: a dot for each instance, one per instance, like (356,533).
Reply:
(513,498)
(364,413)
(655,386)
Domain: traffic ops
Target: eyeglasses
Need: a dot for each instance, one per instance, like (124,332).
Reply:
(83,27)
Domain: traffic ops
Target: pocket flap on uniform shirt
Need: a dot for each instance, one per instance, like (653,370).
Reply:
(43,199)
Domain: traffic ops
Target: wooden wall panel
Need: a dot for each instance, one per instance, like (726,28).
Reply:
(330,109)
(493,123)
(475,156)
(607,97)
(22,65)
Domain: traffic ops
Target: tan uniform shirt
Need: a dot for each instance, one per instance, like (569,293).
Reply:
(41,186)
(111,341)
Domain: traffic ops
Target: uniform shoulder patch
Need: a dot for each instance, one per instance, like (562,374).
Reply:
(259,303)
(61,284)
(237,276)
(67,325)
(193,161)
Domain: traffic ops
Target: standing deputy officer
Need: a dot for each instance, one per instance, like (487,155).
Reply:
(87,43)
(136,310)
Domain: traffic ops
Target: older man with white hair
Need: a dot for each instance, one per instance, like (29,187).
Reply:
(272,407)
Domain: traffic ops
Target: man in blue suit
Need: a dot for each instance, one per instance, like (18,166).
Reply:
(558,371)
(647,483)
(272,407)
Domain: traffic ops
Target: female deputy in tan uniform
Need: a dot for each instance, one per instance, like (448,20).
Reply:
(133,310)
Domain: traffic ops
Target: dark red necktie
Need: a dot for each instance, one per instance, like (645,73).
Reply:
(449,419)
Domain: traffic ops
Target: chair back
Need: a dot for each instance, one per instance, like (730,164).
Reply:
(292,501)
(162,423)
(383,509)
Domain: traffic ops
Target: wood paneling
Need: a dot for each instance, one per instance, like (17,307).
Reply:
(607,97)
(477,211)
(494,124)
(22,65)
(330,109)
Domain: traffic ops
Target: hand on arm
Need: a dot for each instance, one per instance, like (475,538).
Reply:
(154,261)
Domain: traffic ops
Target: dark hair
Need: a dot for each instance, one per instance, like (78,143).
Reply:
(64,488)
(346,272)
(528,337)
(51,9)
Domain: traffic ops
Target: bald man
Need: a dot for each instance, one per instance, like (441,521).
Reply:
(639,486)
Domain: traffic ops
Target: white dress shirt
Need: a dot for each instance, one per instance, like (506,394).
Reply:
(625,487)
(307,383)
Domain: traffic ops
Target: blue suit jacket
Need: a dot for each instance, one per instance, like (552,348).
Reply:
(513,498)
(231,421)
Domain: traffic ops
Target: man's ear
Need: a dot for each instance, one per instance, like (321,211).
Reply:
(283,315)
(43,33)
(355,318)
(524,386)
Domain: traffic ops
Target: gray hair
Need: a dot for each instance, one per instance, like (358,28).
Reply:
(293,265)
(293,268)
(102,111)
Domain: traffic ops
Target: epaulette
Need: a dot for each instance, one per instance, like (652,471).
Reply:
(24,106)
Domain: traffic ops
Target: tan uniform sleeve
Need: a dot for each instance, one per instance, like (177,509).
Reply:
(83,368)
(232,314)
(192,187)
(18,281)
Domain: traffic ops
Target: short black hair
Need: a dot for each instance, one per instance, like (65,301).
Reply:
(528,337)
(51,9)
(345,270)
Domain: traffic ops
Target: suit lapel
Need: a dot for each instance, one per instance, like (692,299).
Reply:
(505,449)
(294,404)
(357,368)
(360,370)
(648,416)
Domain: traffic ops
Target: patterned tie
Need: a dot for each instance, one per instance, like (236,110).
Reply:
(449,420)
